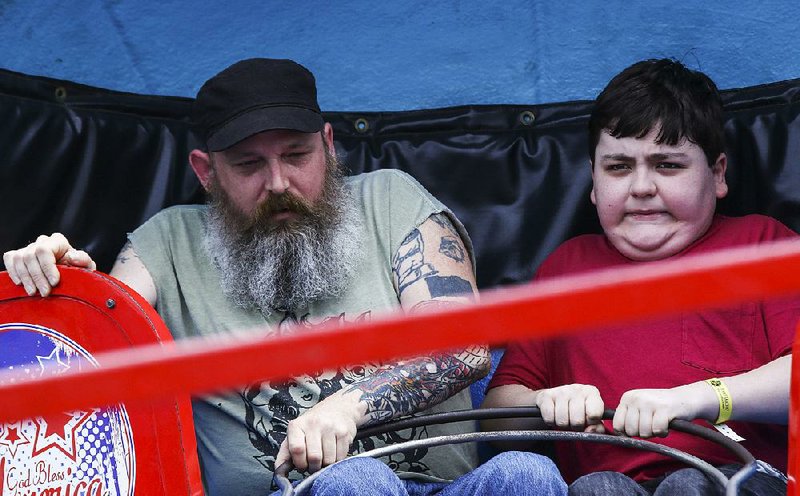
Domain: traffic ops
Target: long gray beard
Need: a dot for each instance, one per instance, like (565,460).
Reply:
(291,266)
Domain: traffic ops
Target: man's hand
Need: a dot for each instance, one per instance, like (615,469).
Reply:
(35,265)
(320,436)
(574,406)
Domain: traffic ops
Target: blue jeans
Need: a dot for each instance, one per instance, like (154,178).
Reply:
(510,473)
(684,482)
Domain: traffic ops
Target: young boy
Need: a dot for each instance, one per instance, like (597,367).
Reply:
(658,167)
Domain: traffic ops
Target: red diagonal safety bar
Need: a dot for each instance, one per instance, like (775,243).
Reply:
(552,307)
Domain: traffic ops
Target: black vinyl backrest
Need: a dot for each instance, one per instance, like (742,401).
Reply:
(94,164)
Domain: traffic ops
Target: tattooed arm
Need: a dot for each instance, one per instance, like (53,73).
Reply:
(129,269)
(432,270)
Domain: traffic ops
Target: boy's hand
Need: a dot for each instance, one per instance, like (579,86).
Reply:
(35,265)
(648,412)
(574,406)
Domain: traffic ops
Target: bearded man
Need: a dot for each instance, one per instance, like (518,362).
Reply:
(285,243)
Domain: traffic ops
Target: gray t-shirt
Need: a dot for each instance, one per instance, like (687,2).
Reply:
(239,432)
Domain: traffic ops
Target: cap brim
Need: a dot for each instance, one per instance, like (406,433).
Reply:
(264,119)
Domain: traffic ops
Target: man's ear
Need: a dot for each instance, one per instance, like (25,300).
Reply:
(201,165)
(327,137)
(718,170)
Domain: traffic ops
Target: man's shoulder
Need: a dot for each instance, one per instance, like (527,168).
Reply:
(391,190)
(178,213)
(167,222)
(384,178)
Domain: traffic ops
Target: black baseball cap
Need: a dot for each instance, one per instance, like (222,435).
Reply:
(256,95)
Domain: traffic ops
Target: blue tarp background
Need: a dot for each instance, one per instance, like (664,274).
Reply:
(400,55)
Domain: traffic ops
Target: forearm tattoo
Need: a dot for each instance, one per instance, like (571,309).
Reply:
(410,386)
(413,385)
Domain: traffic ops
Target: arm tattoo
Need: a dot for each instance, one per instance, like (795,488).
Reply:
(414,385)
(123,257)
(450,244)
(448,286)
(409,263)
(451,248)
(444,221)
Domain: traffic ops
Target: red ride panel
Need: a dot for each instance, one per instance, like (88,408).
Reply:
(132,449)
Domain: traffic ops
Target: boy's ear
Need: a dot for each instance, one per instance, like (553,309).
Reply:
(591,194)
(718,170)
(201,165)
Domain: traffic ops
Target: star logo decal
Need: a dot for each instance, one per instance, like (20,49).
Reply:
(52,363)
(59,431)
(13,437)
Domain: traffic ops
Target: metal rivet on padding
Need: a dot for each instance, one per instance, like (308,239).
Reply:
(527,117)
(361,125)
(61,93)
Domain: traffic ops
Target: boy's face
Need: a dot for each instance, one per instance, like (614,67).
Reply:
(653,199)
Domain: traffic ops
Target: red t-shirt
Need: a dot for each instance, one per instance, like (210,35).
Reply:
(661,353)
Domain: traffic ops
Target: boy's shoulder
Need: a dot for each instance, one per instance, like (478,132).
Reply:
(594,251)
(748,229)
(580,254)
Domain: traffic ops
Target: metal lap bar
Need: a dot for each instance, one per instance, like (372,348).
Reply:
(731,485)
(739,478)
(625,442)
(533,412)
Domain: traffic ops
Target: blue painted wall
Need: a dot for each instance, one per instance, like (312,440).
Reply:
(398,55)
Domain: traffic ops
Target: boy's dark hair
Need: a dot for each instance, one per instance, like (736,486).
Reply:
(686,103)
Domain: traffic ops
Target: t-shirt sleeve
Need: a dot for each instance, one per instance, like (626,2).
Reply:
(523,363)
(781,315)
(150,241)
(157,241)
(398,204)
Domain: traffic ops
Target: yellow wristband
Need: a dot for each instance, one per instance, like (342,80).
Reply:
(725,401)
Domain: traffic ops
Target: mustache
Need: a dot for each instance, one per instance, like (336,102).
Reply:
(284,202)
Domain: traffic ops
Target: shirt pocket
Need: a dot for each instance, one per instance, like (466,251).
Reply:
(720,341)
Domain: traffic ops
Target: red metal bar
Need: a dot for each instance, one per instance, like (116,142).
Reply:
(793,465)
(553,307)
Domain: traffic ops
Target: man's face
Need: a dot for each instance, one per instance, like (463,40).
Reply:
(282,226)
(273,164)
(653,199)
